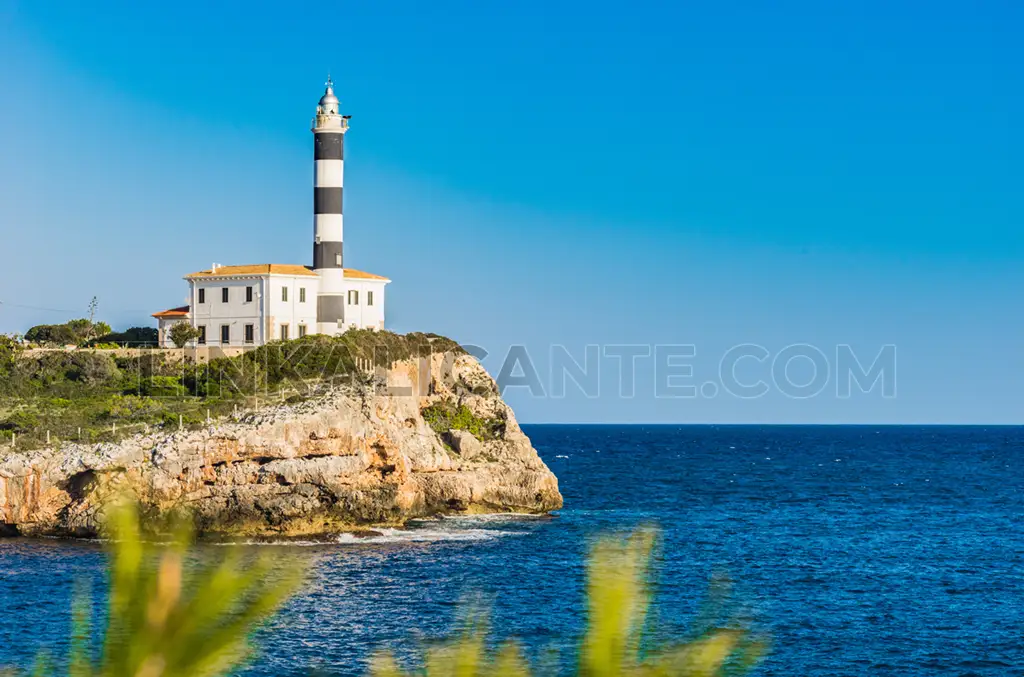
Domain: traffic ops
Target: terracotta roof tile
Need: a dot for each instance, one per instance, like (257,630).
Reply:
(173,312)
(278,269)
(360,275)
(256,269)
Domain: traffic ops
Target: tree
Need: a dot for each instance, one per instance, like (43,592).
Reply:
(9,349)
(133,336)
(86,329)
(59,334)
(76,332)
(80,327)
(181,333)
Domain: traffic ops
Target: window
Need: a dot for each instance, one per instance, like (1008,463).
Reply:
(302,294)
(249,334)
(224,295)
(248,294)
(369,298)
(202,296)
(337,260)
(225,333)
(353,297)
(302,330)
(284,293)
(284,332)
(202,331)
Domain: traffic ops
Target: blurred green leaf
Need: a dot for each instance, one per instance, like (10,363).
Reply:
(618,605)
(172,614)
(163,622)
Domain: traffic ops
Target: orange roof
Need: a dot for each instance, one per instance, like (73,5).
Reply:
(173,312)
(278,269)
(360,275)
(256,269)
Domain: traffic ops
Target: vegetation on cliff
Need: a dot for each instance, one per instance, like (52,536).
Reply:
(87,333)
(73,332)
(94,396)
(171,614)
(447,415)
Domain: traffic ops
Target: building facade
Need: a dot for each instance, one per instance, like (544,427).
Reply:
(251,305)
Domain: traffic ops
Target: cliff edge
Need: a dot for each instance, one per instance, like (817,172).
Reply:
(427,436)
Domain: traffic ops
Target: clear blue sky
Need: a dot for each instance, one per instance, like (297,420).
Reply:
(544,173)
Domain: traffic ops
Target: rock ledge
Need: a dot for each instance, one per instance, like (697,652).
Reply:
(355,457)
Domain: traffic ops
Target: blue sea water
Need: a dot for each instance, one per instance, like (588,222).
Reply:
(860,550)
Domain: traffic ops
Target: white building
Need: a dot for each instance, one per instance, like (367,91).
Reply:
(249,305)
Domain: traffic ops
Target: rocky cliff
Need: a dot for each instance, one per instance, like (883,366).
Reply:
(426,437)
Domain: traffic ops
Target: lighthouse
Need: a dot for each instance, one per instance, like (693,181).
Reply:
(329,128)
(238,307)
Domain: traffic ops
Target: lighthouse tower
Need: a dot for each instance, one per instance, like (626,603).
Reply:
(328,129)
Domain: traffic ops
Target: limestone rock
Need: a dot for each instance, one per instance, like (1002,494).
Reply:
(357,456)
(465,444)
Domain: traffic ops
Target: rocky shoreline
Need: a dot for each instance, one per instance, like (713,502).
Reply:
(359,456)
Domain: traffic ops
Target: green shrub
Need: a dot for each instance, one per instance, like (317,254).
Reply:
(170,419)
(85,329)
(131,407)
(72,390)
(446,415)
(314,358)
(135,337)
(160,386)
(52,334)
(9,350)
(171,616)
(73,332)
(182,333)
(148,364)
(75,369)
(618,604)
(205,380)
(20,422)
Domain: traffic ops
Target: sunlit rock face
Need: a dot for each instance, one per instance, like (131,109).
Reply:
(357,456)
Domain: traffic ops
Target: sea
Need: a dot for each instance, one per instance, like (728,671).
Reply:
(857,550)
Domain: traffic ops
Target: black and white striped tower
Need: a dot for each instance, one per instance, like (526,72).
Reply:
(329,129)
